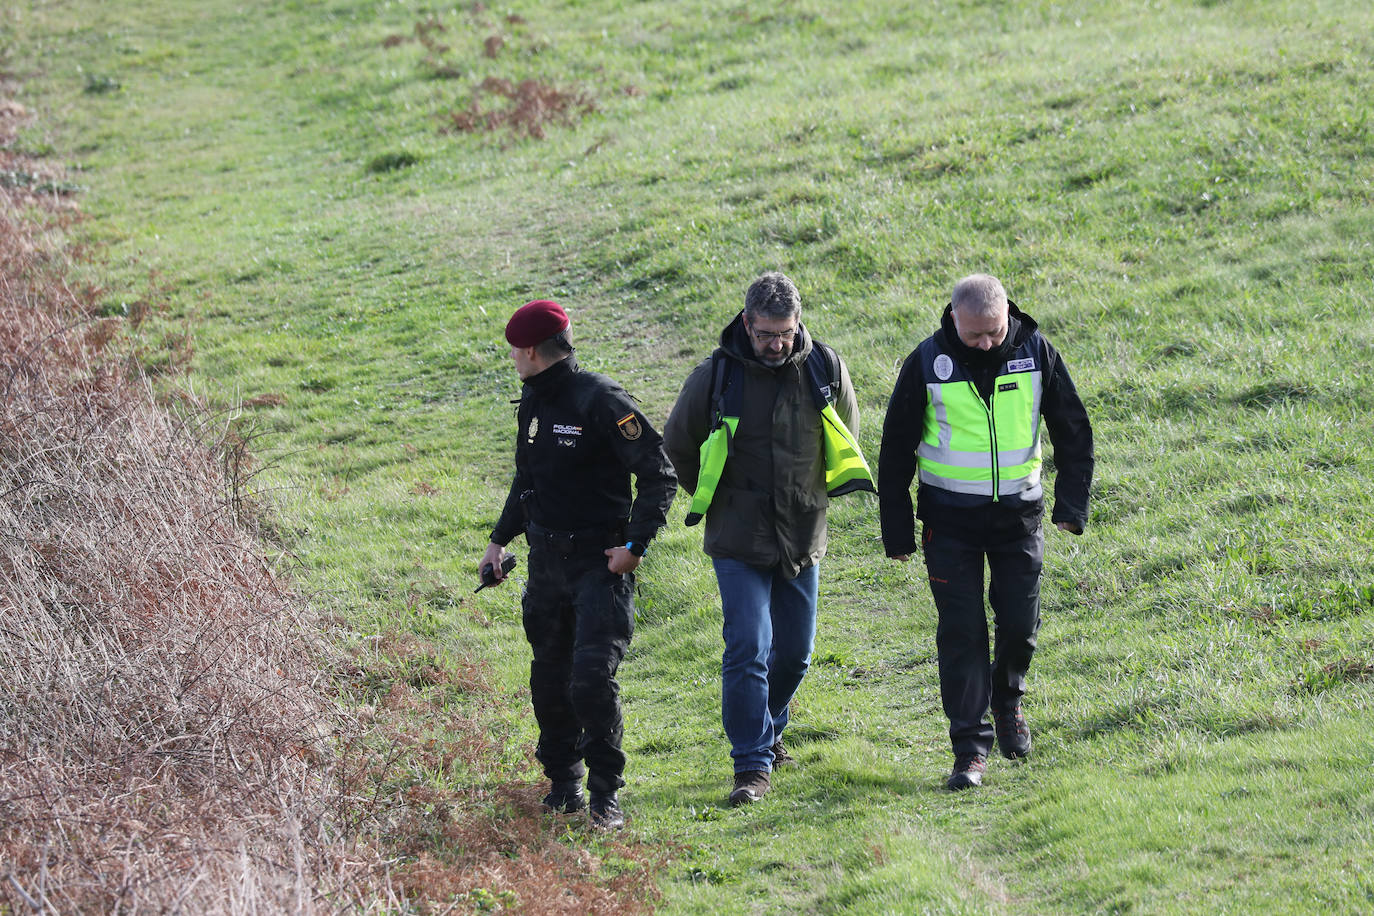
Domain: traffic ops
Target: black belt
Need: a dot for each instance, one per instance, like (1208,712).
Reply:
(598,538)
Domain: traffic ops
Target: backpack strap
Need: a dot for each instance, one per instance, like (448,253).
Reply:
(823,365)
(721,376)
(832,361)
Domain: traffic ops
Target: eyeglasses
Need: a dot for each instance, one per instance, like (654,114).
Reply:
(770,336)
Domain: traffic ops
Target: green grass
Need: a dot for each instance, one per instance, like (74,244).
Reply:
(1179,192)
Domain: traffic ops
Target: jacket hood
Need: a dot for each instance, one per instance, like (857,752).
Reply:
(1020,326)
(734,341)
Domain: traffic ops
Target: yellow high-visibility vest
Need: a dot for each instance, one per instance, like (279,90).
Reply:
(846,471)
(985,448)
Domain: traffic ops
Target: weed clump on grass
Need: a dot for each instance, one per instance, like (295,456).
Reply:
(529,107)
(24,180)
(101,84)
(525,108)
(391,162)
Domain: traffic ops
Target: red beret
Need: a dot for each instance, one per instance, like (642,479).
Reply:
(535,322)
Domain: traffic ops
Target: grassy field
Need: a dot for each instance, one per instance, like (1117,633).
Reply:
(1180,193)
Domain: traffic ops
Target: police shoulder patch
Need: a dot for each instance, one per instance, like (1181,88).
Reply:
(630,427)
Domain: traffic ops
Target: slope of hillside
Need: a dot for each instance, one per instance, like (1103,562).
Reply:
(344,200)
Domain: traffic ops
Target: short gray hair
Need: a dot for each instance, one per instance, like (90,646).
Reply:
(556,347)
(772,295)
(979,294)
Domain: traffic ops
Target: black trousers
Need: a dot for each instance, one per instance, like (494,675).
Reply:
(578,618)
(970,682)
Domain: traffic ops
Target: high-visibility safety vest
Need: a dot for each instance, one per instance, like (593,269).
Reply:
(983,448)
(845,468)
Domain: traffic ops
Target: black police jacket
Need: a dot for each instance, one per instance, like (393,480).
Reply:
(580,439)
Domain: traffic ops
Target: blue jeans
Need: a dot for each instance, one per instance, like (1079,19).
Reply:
(769,630)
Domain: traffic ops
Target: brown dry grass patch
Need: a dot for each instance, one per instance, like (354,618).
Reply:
(161,723)
(177,731)
(526,108)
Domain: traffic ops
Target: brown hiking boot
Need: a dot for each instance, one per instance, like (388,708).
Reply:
(968,772)
(1013,734)
(780,756)
(750,786)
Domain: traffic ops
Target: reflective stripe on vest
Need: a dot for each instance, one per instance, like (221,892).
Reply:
(968,446)
(845,468)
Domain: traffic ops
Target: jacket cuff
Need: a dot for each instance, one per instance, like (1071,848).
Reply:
(640,538)
(892,552)
(1073,518)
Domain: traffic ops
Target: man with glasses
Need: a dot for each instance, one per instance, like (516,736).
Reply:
(761,435)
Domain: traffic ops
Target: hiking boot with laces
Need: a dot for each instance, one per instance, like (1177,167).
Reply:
(780,756)
(968,772)
(565,797)
(1013,734)
(605,812)
(750,786)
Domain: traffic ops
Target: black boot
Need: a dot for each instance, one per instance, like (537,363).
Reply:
(968,772)
(605,811)
(1013,734)
(565,797)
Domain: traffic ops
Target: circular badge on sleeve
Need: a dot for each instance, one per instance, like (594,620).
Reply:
(944,367)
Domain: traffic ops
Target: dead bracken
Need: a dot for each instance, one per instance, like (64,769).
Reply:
(179,730)
(528,108)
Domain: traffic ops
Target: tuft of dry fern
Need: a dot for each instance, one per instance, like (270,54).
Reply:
(173,734)
(161,718)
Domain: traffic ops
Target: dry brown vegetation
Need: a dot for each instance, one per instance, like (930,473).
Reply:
(176,731)
(526,108)
(161,718)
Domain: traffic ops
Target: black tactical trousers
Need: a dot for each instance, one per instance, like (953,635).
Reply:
(578,618)
(970,683)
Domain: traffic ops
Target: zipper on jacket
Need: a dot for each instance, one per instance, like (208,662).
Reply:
(992,437)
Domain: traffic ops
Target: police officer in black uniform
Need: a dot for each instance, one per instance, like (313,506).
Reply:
(580,439)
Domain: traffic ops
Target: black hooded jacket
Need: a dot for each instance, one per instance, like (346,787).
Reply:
(980,518)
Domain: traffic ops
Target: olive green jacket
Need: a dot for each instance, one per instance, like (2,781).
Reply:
(769,508)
